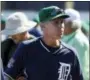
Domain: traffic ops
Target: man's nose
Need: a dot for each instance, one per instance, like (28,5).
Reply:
(62,28)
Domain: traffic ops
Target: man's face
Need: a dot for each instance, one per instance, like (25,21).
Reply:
(20,37)
(55,28)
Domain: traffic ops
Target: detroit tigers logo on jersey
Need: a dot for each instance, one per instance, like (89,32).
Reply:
(64,71)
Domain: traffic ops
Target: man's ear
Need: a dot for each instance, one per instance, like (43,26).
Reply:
(42,26)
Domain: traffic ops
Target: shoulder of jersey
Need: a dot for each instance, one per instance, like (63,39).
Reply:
(30,41)
(69,48)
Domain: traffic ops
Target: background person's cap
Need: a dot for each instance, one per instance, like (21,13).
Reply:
(17,23)
(3,19)
(74,15)
(50,13)
(36,19)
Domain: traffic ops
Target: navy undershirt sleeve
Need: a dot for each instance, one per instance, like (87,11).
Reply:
(16,63)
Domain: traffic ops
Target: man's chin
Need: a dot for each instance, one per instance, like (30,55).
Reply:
(58,37)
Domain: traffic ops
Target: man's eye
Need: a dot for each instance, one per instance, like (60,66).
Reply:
(62,21)
(57,22)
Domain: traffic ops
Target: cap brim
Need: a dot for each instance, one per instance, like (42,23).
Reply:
(27,27)
(64,16)
(32,23)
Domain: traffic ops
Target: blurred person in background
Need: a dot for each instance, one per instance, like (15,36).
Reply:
(47,58)
(85,28)
(3,21)
(17,27)
(36,31)
(77,39)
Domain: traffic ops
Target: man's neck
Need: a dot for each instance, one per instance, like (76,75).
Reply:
(51,42)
